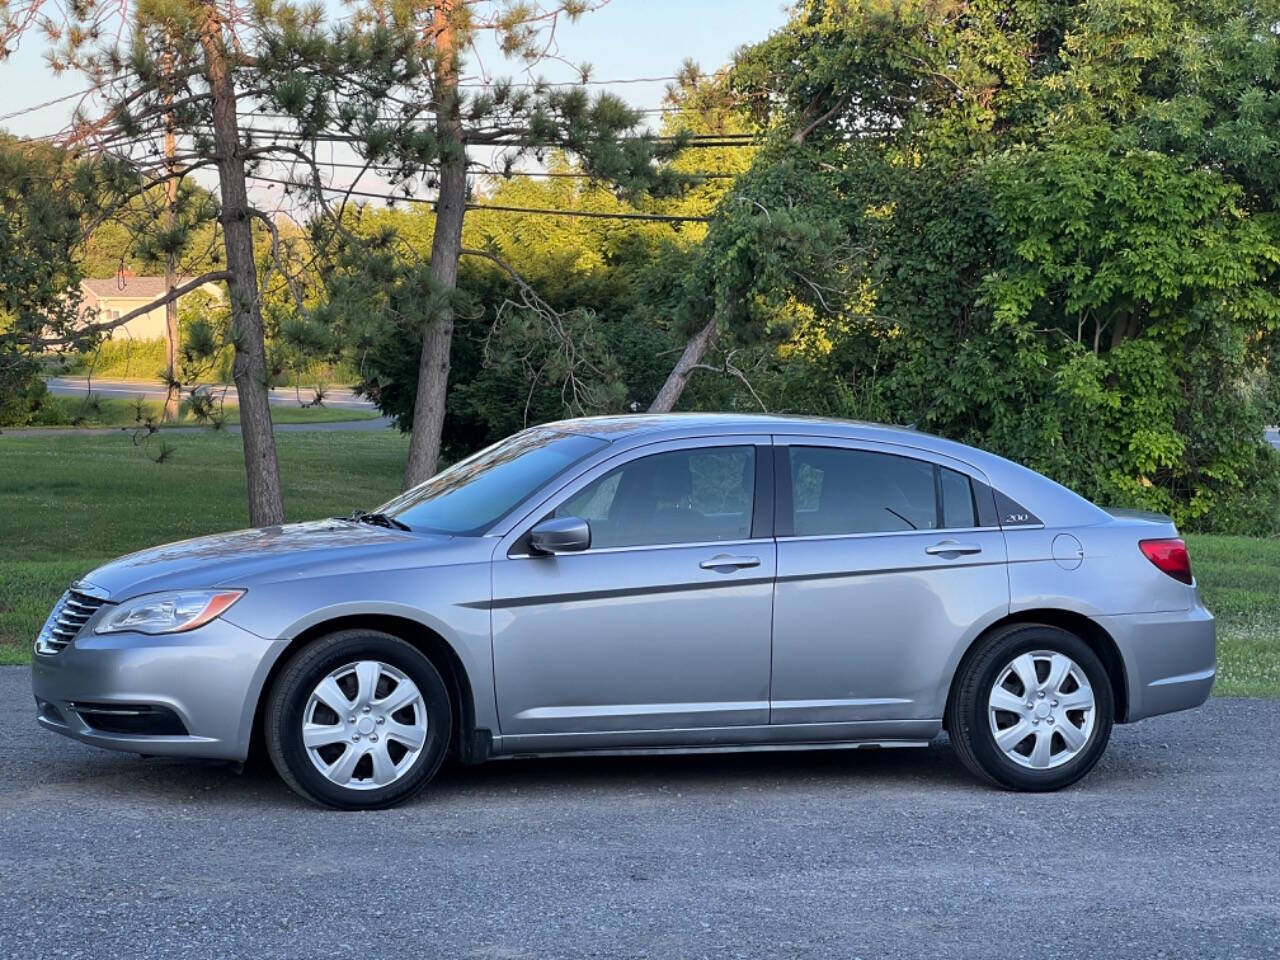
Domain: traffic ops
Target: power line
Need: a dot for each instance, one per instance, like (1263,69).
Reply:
(468,85)
(554,175)
(256,114)
(716,139)
(500,208)
(498,174)
(599,215)
(473,85)
(48,103)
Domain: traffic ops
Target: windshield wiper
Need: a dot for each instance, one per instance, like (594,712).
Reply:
(377,519)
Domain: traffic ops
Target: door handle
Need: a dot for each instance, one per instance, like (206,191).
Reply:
(951,548)
(724,560)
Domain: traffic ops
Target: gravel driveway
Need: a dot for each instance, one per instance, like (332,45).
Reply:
(1170,849)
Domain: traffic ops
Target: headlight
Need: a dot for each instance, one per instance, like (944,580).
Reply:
(168,612)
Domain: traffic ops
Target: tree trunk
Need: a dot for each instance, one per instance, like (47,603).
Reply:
(446,246)
(249,370)
(172,390)
(696,349)
(705,338)
(1126,325)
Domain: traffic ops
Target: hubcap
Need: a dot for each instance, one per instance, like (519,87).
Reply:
(1041,709)
(343,713)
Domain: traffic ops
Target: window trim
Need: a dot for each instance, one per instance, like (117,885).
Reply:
(514,544)
(704,544)
(784,510)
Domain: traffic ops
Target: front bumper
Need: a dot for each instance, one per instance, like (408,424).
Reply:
(209,679)
(1170,659)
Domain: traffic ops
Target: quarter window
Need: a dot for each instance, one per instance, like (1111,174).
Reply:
(682,496)
(958,507)
(839,491)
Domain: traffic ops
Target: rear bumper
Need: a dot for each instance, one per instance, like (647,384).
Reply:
(1170,659)
(208,679)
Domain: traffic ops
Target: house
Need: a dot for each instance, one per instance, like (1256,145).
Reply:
(113,297)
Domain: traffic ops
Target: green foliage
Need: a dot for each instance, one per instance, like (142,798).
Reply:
(524,351)
(1060,237)
(40,225)
(63,218)
(1050,229)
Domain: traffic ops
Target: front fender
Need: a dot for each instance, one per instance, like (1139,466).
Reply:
(452,602)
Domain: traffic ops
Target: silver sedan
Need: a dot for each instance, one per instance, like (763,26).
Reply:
(640,584)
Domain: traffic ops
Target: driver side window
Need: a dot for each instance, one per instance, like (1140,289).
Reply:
(682,496)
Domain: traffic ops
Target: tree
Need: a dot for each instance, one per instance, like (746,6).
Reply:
(40,224)
(68,217)
(550,320)
(191,68)
(181,65)
(1061,235)
(417,122)
(540,329)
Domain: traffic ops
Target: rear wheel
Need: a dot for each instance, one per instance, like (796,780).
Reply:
(358,720)
(1032,708)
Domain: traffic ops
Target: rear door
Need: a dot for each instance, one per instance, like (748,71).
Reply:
(887,559)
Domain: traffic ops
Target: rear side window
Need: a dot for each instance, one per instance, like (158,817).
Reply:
(839,491)
(857,491)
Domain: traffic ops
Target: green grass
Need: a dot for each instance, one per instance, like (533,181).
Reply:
(68,411)
(1240,582)
(71,503)
(145,360)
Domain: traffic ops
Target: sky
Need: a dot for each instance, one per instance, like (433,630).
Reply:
(623,40)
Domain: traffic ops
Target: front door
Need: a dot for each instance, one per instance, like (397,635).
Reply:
(664,623)
(884,568)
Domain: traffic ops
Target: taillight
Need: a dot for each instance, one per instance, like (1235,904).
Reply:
(1170,556)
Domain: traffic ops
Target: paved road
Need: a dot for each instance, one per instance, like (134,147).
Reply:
(325,426)
(339,397)
(1170,849)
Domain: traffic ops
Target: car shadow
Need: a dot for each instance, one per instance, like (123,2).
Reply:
(709,772)
(693,777)
(201,783)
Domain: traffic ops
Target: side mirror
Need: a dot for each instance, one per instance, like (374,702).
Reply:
(560,535)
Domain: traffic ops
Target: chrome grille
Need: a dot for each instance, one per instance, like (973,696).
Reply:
(68,617)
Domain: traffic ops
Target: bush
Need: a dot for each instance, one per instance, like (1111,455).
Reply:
(22,392)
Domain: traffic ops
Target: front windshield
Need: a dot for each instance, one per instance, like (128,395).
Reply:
(474,493)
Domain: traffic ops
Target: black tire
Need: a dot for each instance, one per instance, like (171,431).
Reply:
(969,725)
(287,702)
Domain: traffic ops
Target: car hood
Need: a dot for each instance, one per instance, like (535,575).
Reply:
(243,557)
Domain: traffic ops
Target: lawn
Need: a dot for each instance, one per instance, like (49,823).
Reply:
(67,411)
(1240,582)
(145,359)
(73,502)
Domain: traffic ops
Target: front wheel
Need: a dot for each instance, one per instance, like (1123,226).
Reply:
(1031,709)
(358,720)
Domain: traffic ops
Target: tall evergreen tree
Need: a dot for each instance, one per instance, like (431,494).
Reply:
(428,123)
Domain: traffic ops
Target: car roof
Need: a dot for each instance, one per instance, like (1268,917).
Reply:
(647,427)
(697,424)
(1032,489)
